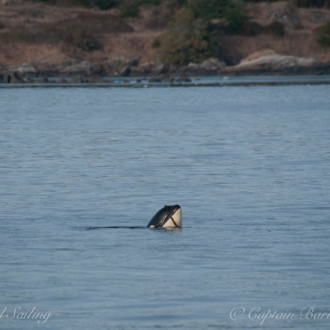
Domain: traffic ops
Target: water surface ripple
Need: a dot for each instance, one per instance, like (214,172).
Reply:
(250,167)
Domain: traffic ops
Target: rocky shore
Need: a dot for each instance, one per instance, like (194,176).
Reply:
(266,62)
(40,42)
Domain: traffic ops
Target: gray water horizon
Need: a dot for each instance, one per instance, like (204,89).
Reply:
(83,170)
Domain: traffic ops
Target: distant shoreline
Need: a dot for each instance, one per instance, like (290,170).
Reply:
(195,81)
(42,40)
(81,75)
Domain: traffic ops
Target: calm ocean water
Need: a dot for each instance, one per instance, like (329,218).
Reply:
(250,167)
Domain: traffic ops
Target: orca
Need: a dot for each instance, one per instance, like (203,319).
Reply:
(167,217)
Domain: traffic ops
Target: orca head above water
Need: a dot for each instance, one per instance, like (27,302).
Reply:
(167,217)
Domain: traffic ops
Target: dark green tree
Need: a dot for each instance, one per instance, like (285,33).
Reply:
(186,39)
(231,11)
(324,35)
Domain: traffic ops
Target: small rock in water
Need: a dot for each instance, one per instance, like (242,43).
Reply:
(183,79)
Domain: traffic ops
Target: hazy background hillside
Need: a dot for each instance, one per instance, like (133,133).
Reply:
(154,32)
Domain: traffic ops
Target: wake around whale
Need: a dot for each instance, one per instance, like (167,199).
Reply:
(168,217)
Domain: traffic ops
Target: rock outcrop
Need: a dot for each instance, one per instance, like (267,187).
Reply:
(209,66)
(269,61)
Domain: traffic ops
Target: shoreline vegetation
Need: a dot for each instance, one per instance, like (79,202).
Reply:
(167,41)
